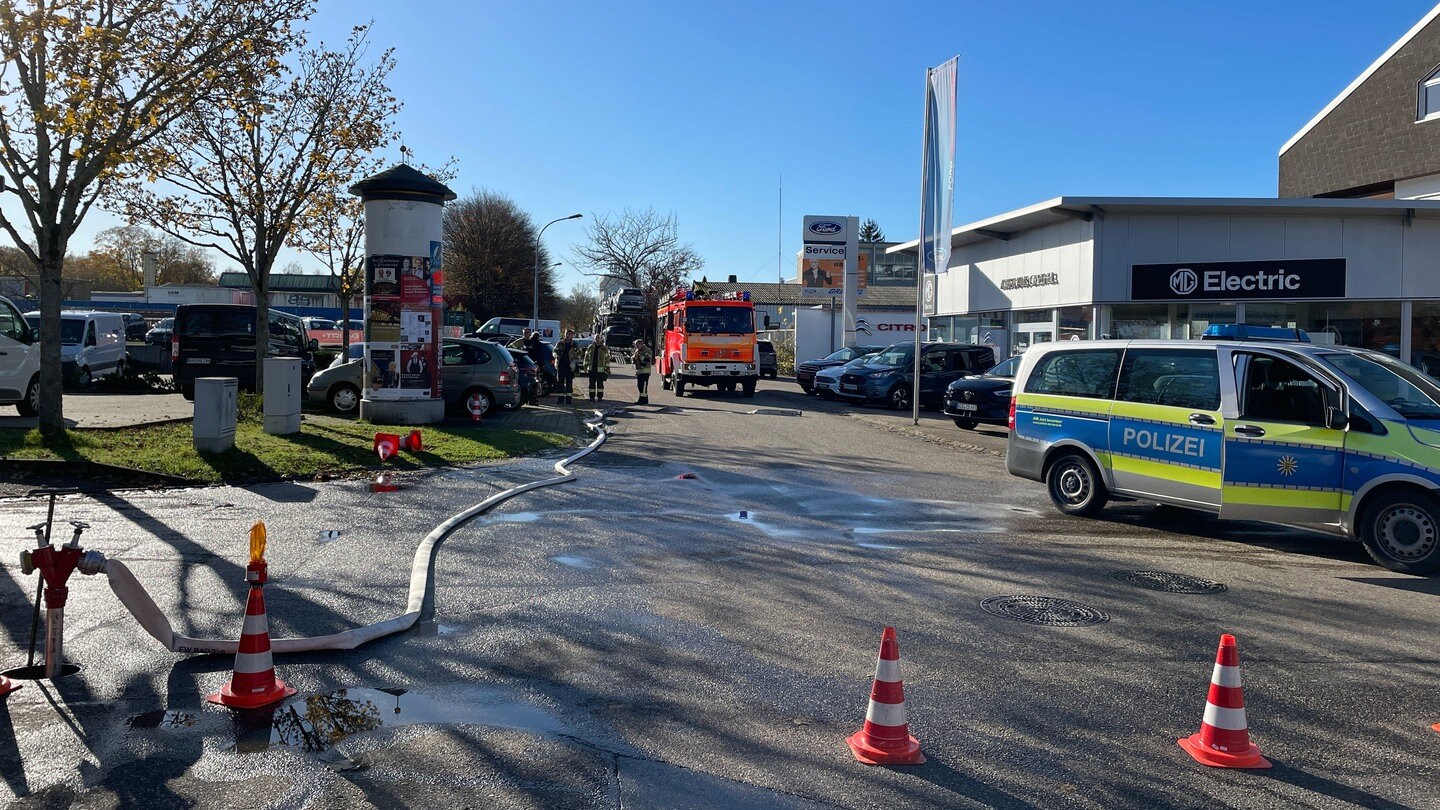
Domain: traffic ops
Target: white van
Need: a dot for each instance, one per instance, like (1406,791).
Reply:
(512,327)
(92,344)
(19,361)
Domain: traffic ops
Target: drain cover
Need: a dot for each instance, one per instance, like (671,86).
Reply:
(1046,610)
(1170,583)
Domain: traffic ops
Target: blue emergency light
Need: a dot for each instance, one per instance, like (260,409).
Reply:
(1245,331)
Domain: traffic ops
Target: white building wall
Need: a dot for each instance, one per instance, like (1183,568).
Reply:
(978,272)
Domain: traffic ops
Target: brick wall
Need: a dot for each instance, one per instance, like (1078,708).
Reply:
(1371,139)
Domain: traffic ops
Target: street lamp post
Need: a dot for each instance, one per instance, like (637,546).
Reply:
(535,321)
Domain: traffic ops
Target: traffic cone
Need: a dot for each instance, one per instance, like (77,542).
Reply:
(253,683)
(412,442)
(475,413)
(1224,739)
(386,444)
(7,686)
(885,738)
(383,482)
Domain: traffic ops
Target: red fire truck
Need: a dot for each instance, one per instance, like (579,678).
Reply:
(709,340)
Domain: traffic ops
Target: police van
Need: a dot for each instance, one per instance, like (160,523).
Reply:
(1334,439)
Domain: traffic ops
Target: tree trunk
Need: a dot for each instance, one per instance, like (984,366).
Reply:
(262,334)
(345,330)
(52,414)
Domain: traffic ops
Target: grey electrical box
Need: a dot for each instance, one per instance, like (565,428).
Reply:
(216,401)
(282,395)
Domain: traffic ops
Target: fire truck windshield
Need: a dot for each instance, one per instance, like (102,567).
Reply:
(703,320)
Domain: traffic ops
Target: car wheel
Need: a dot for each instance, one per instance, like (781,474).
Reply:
(120,371)
(966,424)
(748,388)
(187,390)
(84,379)
(1075,486)
(1401,531)
(679,387)
(30,405)
(899,398)
(825,394)
(807,389)
(344,397)
(664,383)
(479,397)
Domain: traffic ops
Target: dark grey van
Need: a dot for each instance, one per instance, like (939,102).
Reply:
(218,340)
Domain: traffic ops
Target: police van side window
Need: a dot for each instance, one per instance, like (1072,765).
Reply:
(1276,390)
(1178,378)
(1076,374)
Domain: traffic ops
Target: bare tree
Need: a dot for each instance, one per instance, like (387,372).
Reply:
(490,258)
(638,249)
(244,165)
(86,86)
(119,259)
(580,308)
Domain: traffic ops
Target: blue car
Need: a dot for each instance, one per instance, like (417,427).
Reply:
(888,377)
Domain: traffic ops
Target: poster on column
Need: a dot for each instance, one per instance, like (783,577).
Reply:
(401,330)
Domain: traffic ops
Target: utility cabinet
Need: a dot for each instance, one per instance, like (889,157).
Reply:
(282,395)
(216,402)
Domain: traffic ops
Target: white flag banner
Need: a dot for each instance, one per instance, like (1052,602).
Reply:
(938,172)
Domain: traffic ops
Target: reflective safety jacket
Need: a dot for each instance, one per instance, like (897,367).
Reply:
(643,359)
(596,358)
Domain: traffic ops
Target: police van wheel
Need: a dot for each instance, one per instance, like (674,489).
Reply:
(1075,486)
(1401,531)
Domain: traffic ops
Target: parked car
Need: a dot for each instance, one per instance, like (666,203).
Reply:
(826,381)
(19,361)
(159,334)
(313,324)
(888,377)
(478,371)
(805,372)
(469,369)
(338,386)
(529,377)
(765,356)
(135,326)
(982,398)
(628,299)
(92,344)
(218,340)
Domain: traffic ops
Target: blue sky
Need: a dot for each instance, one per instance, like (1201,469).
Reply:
(698,108)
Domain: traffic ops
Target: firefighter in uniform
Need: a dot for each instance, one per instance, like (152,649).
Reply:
(597,366)
(643,358)
(566,356)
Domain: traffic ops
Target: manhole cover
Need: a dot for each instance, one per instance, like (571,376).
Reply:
(1046,610)
(1170,583)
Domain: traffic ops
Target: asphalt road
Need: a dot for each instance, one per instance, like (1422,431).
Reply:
(694,623)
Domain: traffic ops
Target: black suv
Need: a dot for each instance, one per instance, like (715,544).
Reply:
(983,399)
(218,340)
(887,377)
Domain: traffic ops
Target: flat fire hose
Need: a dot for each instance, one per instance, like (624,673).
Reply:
(137,600)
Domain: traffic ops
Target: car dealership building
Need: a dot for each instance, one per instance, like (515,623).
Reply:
(1351,253)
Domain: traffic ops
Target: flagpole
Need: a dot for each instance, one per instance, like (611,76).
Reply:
(920,255)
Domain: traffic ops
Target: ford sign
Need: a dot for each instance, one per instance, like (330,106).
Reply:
(824,228)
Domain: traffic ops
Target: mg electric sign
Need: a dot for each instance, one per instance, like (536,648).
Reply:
(1212,281)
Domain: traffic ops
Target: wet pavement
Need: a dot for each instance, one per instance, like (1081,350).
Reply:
(694,623)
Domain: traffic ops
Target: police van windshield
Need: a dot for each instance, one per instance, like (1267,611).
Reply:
(1409,392)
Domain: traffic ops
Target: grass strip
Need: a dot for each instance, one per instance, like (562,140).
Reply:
(324,447)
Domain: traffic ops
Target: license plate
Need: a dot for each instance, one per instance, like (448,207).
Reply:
(960,406)
(198,361)
(849,388)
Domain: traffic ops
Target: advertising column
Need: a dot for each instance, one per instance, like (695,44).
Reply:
(404,304)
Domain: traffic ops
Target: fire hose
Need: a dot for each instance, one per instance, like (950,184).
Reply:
(137,600)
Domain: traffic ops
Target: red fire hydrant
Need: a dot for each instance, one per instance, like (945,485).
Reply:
(55,566)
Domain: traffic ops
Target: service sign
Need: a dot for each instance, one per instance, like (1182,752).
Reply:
(1224,281)
(822,261)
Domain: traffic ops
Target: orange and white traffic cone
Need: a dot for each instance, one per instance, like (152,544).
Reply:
(412,442)
(253,683)
(1224,738)
(383,482)
(7,686)
(885,738)
(385,445)
(475,412)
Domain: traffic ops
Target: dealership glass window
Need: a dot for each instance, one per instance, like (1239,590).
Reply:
(1193,319)
(940,328)
(1367,324)
(1034,316)
(1273,313)
(1135,321)
(1075,323)
(1425,337)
